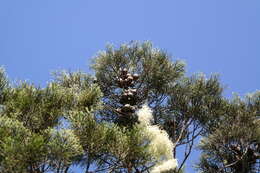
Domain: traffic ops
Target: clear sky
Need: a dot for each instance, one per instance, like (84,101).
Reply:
(212,36)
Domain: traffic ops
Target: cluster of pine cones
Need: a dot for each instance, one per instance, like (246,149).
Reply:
(126,79)
(128,99)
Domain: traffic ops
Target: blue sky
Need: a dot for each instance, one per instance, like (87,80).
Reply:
(212,36)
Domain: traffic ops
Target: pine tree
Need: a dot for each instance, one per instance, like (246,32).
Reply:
(94,122)
(53,128)
(233,145)
(183,106)
(29,118)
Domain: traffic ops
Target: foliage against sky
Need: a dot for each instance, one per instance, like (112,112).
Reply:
(211,36)
(184,108)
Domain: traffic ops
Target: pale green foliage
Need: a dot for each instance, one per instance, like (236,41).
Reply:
(80,90)
(18,146)
(37,108)
(21,149)
(84,126)
(159,144)
(63,147)
(167,166)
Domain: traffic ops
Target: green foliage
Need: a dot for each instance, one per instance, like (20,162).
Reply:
(63,148)
(4,85)
(110,144)
(73,121)
(29,117)
(37,108)
(233,145)
(19,147)
(183,106)
(153,65)
(196,99)
(79,90)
